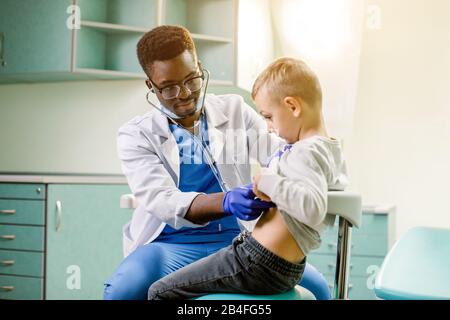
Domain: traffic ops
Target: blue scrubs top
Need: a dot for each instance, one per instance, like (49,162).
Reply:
(196,175)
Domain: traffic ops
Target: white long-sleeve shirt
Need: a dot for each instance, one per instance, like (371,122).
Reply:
(298,181)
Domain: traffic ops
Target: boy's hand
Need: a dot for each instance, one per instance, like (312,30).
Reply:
(258,193)
(242,203)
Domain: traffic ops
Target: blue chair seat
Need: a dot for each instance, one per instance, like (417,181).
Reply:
(417,267)
(297,293)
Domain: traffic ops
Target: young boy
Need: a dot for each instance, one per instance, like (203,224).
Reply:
(271,259)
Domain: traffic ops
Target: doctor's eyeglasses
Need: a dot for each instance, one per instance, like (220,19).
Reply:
(192,84)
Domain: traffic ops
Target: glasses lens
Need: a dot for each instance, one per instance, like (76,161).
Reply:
(170,92)
(194,84)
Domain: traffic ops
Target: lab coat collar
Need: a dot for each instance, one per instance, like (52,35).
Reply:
(160,125)
(215,118)
(214,113)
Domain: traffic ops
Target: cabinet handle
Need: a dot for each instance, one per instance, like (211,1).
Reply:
(334,244)
(350,286)
(8,237)
(8,211)
(7,288)
(7,262)
(332,265)
(2,49)
(58,215)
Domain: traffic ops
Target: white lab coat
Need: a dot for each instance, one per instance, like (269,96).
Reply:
(150,161)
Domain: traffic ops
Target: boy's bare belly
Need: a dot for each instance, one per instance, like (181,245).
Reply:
(271,231)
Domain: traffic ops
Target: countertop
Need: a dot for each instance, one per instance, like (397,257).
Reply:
(121,179)
(62,178)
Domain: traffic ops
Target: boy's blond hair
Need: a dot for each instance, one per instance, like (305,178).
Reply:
(289,77)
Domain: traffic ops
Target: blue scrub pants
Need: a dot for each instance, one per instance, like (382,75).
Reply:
(153,261)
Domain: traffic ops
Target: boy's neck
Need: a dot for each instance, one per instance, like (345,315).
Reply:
(315,127)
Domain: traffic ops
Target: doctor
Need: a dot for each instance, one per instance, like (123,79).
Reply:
(187,163)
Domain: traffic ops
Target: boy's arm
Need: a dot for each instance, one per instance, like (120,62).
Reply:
(302,193)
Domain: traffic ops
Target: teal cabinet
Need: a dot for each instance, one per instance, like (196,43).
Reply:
(22,263)
(213,28)
(24,212)
(61,242)
(20,288)
(21,237)
(84,239)
(369,246)
(22,240)
(34,39)
(55,40)
(22,191)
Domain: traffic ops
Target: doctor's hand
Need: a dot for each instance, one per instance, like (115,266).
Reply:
(241,203)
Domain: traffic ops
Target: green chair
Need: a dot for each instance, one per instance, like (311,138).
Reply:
(297,293)
(417,267)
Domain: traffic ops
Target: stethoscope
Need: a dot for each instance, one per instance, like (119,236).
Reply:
(200,142)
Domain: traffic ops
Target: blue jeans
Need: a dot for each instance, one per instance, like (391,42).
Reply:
(245,266)
(151,262)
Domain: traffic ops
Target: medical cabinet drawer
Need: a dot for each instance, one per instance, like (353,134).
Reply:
(361,288)
(22,211)
(22,191)
(368,241)
(369,244)
(22,263)
(359,266)
(21,237)
(370,224)
(20,288)
(362,244)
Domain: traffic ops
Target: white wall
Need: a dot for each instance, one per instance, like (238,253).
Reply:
(326,34)
(255,40)
(399,151)
(67,126)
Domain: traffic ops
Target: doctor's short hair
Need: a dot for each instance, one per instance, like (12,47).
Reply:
(163,43)
(289,77)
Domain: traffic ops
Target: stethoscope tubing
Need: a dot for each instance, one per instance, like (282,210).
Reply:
(205,148)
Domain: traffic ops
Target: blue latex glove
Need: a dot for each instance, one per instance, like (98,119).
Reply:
(242,203)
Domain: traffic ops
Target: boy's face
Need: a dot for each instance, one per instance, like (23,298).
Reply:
(279,116)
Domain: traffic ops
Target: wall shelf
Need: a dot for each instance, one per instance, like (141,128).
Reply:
(104,47)
(203,37)
(112,28)
(109,74)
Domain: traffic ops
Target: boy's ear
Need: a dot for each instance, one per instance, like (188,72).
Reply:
(294,105)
